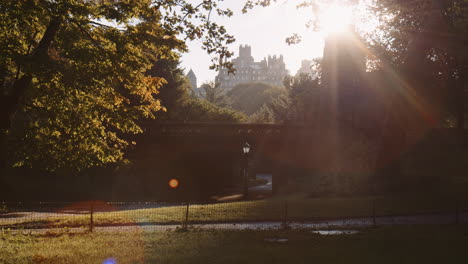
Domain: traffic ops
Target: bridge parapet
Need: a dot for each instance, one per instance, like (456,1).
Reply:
(237,130)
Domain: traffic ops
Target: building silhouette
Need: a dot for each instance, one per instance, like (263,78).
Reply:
(307,69)
(343,70)
(192,79)
(270,71)
(196,91)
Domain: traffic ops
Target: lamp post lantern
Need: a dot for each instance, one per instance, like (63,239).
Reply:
(246,150)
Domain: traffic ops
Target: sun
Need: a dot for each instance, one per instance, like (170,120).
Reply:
(335,18)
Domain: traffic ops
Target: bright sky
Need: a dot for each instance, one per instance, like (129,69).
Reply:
(265,30)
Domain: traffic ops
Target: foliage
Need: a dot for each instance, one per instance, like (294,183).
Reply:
(305,94)
(80,95)
(263,116)
(73,74)
(196,110)
(175,92)
(250,97)
(423,42)
(176,97)
(301,101)
(280,107)
(213,93)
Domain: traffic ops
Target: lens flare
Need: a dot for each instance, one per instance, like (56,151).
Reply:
(335,19)
(110,261)
(174,183)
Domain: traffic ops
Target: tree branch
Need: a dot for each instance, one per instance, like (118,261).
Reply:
(86,34)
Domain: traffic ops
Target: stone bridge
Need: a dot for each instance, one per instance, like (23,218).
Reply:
(212,153)
(207,157)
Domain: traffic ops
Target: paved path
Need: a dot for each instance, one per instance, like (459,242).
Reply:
(265,188)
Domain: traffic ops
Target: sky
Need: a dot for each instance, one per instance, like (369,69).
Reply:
(265,30)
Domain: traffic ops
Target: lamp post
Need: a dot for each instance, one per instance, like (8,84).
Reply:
(246,150)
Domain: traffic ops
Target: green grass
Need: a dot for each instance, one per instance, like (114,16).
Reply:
(298,208)
(402,244)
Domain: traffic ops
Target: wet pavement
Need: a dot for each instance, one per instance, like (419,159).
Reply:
(266,188)
(335,232)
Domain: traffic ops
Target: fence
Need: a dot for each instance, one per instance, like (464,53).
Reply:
(272,213)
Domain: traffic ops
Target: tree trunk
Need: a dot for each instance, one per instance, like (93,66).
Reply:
(9,102)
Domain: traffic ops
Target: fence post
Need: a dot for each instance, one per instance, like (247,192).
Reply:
(374,221)
(91,220)
(285,215)
(185,224)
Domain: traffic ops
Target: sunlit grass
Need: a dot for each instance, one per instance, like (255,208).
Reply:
(402,244)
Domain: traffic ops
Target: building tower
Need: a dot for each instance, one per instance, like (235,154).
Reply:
(307,69)
(271,71)
(343,68)
(192,78)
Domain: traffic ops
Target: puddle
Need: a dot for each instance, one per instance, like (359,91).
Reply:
(335,232)
(279,240)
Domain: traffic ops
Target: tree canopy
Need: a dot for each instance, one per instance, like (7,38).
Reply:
(213,93)
(424,42)
(73,74)
(250,97)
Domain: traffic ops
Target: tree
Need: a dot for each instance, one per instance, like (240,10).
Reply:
(423,42)
(214,94)
(196,110)
(250,97)
(71,85)
(263,116)
(179,103)
(281,108)
(301,102)
(175,92)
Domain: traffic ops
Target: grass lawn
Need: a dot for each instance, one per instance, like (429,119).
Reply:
(402,244)
(298,208)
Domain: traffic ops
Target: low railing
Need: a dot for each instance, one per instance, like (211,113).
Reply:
(90,215)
